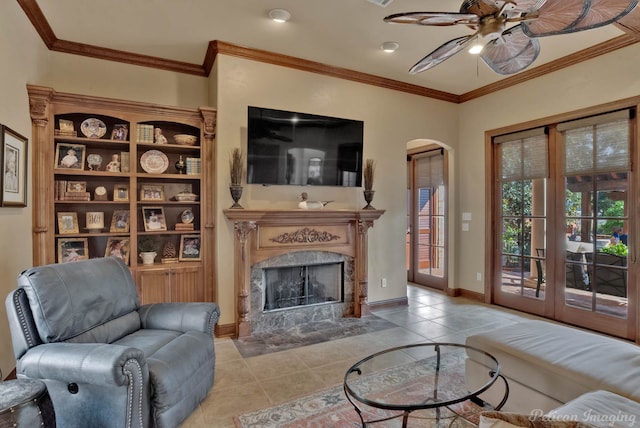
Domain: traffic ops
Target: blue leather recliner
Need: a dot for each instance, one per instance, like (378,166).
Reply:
(107,361)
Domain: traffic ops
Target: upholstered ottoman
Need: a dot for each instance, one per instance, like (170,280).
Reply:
(548,364)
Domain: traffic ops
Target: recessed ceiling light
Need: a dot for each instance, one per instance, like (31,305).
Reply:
(280,15)
(389,46)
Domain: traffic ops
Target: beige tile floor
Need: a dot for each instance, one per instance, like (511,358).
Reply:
(246,384)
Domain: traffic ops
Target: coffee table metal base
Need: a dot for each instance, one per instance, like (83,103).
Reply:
(439,403)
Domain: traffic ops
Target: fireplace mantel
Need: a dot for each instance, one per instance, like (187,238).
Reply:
(262,234)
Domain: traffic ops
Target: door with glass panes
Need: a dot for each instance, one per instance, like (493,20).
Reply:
(426,219)
(562,241)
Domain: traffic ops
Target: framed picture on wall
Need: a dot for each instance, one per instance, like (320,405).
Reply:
(14,168)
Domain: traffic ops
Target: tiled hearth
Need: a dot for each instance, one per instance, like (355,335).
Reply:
(267,238)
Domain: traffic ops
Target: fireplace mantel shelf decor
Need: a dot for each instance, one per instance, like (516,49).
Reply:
(264,234)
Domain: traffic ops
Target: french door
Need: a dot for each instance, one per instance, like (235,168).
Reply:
(562,199)
(426,219)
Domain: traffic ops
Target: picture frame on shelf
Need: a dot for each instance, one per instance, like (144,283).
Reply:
(66,126)
(76,186)
(72,249)
(14,168)
(121,193)
(154,219)
(150,192)
(70,156)
(120,132)
(120,221)
(189,248)
(68,223)
(118,247)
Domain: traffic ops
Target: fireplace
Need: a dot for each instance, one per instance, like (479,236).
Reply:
(285,289)
(267,239)
(305,285)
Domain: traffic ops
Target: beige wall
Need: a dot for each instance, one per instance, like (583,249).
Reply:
(391,120)
(21,63)
(608,78)
(88,76)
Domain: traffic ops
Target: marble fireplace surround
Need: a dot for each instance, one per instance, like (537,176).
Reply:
(261,235)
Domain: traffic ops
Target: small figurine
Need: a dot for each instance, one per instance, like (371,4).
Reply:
(114,165)
(310,205)
(158,138)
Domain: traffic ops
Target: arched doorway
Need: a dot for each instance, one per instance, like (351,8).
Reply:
(427,212)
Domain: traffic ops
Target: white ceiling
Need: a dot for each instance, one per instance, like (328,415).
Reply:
(341,33)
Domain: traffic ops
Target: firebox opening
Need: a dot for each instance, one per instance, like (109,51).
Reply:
(294,286)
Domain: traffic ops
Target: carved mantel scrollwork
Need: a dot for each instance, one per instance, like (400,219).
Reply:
(305,235)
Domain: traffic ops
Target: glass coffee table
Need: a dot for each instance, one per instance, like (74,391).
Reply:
(424,381)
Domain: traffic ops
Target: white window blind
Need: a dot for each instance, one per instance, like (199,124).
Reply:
(430,170)
(523,155)
(597,144)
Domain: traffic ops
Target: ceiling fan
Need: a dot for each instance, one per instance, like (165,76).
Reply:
(510,50)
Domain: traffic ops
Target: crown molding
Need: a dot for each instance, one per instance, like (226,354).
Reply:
(219,47)
(566,61)
(39,21)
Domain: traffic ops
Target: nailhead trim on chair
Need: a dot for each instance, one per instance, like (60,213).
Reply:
(130,389)
(21,317)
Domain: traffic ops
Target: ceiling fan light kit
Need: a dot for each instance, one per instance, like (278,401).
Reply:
(506,32)
(389,46)
(279,15)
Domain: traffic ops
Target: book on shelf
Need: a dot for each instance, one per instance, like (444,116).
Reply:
(193,166)
(184,226)
(76,196)
(124,162)
(59,187)
(144,133)
(61,133)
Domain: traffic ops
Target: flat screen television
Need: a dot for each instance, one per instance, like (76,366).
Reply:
(285,147)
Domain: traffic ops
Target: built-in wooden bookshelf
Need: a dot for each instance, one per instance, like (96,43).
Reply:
(109,174)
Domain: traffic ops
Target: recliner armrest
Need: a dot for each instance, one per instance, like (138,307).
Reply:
(92,363)
(187,316)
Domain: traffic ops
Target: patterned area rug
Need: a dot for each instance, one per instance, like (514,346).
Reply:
(331,409)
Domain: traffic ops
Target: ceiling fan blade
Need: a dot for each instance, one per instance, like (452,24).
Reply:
(556,17)
(527,5)
(479,7)
(604,12)
(512,52)
(445,51)
(433,18)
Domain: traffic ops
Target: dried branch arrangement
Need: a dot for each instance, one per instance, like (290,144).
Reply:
(236,166)
(368,173)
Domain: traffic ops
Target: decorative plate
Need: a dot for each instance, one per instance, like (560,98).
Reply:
(154,162)
(93,128)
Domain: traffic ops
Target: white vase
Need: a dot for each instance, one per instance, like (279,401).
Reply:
(148,258)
